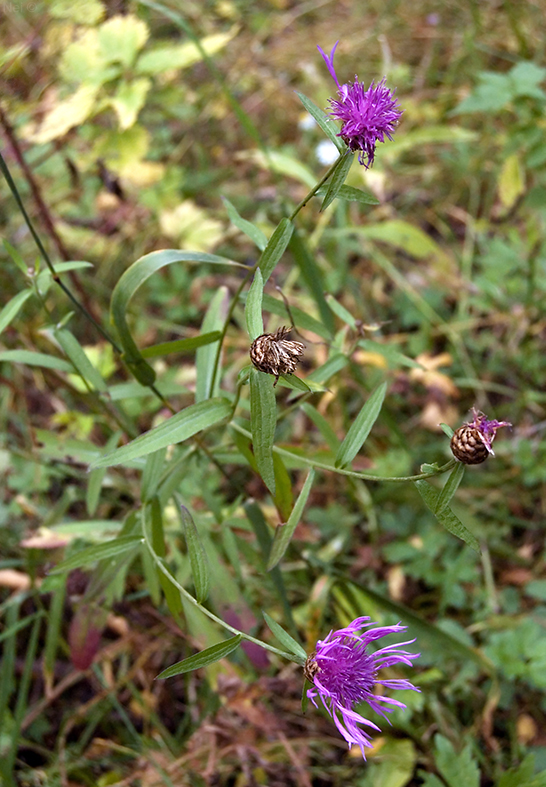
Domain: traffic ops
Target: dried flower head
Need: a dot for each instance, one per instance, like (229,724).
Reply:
(472,442)
(273,354)
(368,116)
(344,675)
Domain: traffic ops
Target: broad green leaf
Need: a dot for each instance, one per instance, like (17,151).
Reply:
(205,357)
(12,308)
(324,121)
(90,555)
(250,230)
(275,248)
(456,767)
(129,100)
(445,516)
(450,486)
(253,307)
(130,281)
(337,179)
(523,775)
(284,533)
(75,352)
(179,427)
(263,417)
(203,659)
(285,639)
(121,38)
(361,427)
(198,558)
(180,345)
(31,358)
(350,194)
(65,114)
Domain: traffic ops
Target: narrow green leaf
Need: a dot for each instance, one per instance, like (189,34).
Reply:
(301,318)
(196,551)
(12,308)
(450,486)
(337,179)
(253,307)
(75,353)
(447,430)
(324,121)
(361,427)
(16,257)
(31,358)
(445,516)
(250,230)
(263,418)
(340,311)
(205,357)
(180,345)
(285,639)
(130,281)
(296,383)
(284,499)
(312,275)
(350,194)
(323,425)
(86,557)
(96,477)
(151,474)
(275,248)
(176,429)
(153,519)
(203,659)
(284,533)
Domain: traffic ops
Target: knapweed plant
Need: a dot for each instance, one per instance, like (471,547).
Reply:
(208,484)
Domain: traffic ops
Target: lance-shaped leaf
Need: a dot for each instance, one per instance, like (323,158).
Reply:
(284,533)
(75,352)
(205,357)
(324,121)
(337,179)
(350,194)
(285,639)
(176,429)
(253,307)
(275,248)
(361,427)
(130,281)
(263,419)
(86,557)
(202,659)
(251,231)
(12,308)
(450,486)
(31,358)
(445,516)
(196,552)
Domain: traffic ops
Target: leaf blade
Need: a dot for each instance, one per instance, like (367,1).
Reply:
(284,533)
(263,419)
(202,659)
(361,427)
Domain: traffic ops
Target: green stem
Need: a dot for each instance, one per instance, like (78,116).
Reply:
(314,190)
(351,473)
(159,563)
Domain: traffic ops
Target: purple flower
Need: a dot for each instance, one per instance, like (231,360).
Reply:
(344,675)
(368,116)
(486,429)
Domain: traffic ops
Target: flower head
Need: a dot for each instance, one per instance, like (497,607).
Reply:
(368,116)
(472,442)
(344,674)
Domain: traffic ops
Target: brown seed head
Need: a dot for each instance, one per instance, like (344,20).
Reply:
(467,445)
(273,354)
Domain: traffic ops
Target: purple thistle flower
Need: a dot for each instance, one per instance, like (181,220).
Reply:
(344,675)
(368,116)
(486,429)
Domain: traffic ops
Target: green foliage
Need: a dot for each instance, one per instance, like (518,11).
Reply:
(161,495)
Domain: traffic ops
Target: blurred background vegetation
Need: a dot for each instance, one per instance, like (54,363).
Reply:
(135,126)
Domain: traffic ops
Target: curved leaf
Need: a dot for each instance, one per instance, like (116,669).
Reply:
(12,308)
(198,557)
(100,552)
(130,281)
(176,429)
(36,359)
